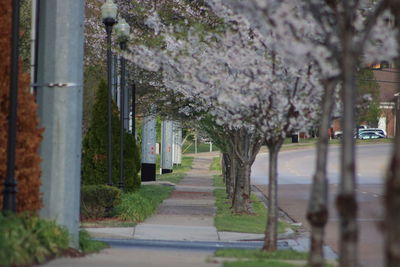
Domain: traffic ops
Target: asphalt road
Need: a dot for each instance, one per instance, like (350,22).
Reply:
(295,170)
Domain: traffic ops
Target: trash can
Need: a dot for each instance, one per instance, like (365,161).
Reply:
(295,138)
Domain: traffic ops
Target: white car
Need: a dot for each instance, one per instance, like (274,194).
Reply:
(370,135)
(375,130)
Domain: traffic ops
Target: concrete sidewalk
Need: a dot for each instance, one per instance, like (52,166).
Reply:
(187,215)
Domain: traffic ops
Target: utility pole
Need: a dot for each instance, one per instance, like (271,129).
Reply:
(149,134)
(166,146)
(177,147)
(59,94)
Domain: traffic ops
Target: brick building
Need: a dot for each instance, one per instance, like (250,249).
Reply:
(387,80)
(386,77)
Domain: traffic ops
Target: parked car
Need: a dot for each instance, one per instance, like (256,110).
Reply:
(362,127)
(338,135)
(370,135)
(375,130)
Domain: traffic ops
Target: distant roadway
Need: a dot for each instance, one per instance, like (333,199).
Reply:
(295,170)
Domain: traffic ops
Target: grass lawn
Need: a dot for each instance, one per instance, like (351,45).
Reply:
(188,147)
(218,181)
(255,223)
(178,173)
(260,263)
(255,258)
(216,164)
(258,254)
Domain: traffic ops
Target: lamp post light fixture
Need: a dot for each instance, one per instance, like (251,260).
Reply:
(10,183)
(122,31)
(109,15)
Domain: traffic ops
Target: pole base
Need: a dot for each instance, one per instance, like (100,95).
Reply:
(166,171)
(148,172)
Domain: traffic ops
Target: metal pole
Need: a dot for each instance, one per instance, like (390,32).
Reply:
(161,146)
(166,147)
(149,139)
(133,109)
(122,118)
(177,150)
(10,184)
(114,74)
(60,102)
(179,144)
(109,24)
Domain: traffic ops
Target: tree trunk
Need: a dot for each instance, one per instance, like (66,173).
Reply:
(346,200)
(392,184)
(241,200)
(241,197)
(271,233)
(317,213)
(225,166)
(246,146)
(231,181)
(392,203)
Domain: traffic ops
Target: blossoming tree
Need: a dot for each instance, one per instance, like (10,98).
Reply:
(338,36)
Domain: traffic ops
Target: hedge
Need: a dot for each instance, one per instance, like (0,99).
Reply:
(94,154)
(29,135)
(98,201)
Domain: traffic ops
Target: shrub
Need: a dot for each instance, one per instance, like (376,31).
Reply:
(139,205)
(98,201)
(26,240)
(27,165)
(95,142)
(132,163)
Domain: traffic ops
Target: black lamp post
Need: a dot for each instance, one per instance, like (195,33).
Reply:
(109,15)
(10,184)
(122,30)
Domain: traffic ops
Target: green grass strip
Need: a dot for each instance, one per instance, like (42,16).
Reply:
(259,254)
(189,147)
(255,223)
(218,181)
(179,171)
(216,164)
(259,263)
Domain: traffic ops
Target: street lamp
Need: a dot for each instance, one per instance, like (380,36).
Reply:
(122,31)
(109,15)
(10,184)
